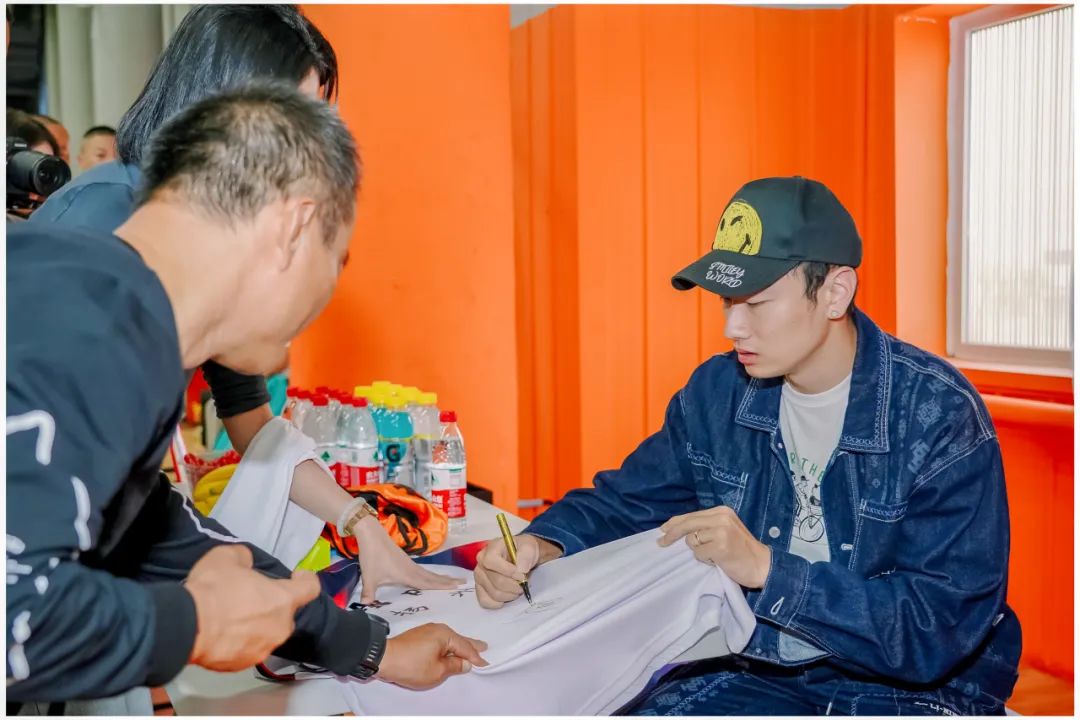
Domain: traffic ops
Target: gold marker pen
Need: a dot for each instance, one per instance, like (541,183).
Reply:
(511,550)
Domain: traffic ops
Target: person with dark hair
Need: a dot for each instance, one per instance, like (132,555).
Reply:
(114,581)
(98,146)
(262,40)
(850,482)
(59,133)
(37,136)
(218,47)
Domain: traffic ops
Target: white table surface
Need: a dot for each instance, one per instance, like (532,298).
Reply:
(196,691)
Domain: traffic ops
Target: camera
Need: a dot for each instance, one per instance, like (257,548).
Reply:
(31,176)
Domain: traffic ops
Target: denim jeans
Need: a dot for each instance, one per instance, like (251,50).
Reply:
(736,686)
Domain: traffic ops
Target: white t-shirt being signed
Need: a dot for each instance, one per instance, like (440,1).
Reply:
(604,620)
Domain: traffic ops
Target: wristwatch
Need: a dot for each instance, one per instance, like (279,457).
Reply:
(354,512)
(369,664)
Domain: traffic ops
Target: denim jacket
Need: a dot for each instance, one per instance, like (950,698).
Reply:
(914,505)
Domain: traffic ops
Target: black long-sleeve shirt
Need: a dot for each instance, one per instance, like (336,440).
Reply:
(97,542)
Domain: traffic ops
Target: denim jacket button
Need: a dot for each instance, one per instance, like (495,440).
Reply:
(774,532)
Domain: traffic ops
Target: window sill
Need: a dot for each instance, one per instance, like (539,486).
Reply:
(1029,382)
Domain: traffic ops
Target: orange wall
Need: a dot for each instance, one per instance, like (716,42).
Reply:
(427,298)
(922,193)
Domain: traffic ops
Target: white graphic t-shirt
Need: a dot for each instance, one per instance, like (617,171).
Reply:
(811,426)
(602,623)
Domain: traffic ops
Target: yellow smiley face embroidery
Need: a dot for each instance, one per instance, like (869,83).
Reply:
(739,230)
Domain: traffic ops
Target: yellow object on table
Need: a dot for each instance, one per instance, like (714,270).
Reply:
(319,557)
(209,488)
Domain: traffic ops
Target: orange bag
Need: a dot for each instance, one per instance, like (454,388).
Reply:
(415,524)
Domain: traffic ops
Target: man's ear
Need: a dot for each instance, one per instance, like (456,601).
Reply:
(840,291)
(297,221)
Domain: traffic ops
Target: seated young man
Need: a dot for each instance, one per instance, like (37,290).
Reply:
(850,482)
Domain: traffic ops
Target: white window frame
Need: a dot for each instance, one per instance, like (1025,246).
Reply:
(1041,362)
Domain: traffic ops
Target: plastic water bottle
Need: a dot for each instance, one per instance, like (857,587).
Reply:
(448,483)
(395,438)
(426,430)
(377,406)
(301,408)
(356,460)
(321,426)
(333,400)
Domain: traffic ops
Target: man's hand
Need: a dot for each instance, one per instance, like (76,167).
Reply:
(718,537)
(242,614)
(498,581)
(382,562)
(425,656)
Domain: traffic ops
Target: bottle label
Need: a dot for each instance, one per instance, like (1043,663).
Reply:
(352,477)
(354,469)
(448,489)
(393,450)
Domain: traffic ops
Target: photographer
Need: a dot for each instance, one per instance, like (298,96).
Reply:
(33,167)
(36,136)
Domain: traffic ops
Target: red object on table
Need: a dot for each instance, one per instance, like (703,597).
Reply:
(193,398)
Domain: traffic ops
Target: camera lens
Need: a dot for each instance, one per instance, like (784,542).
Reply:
(36,172)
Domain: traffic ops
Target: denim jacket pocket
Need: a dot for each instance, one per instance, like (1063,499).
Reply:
(882,512)
(715,485)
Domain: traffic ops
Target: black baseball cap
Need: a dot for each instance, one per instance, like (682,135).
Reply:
(769,228)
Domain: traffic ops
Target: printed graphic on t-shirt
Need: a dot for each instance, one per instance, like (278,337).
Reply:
(807,475)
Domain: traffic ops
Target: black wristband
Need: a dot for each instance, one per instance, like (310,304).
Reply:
(234,393)
(369,664)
